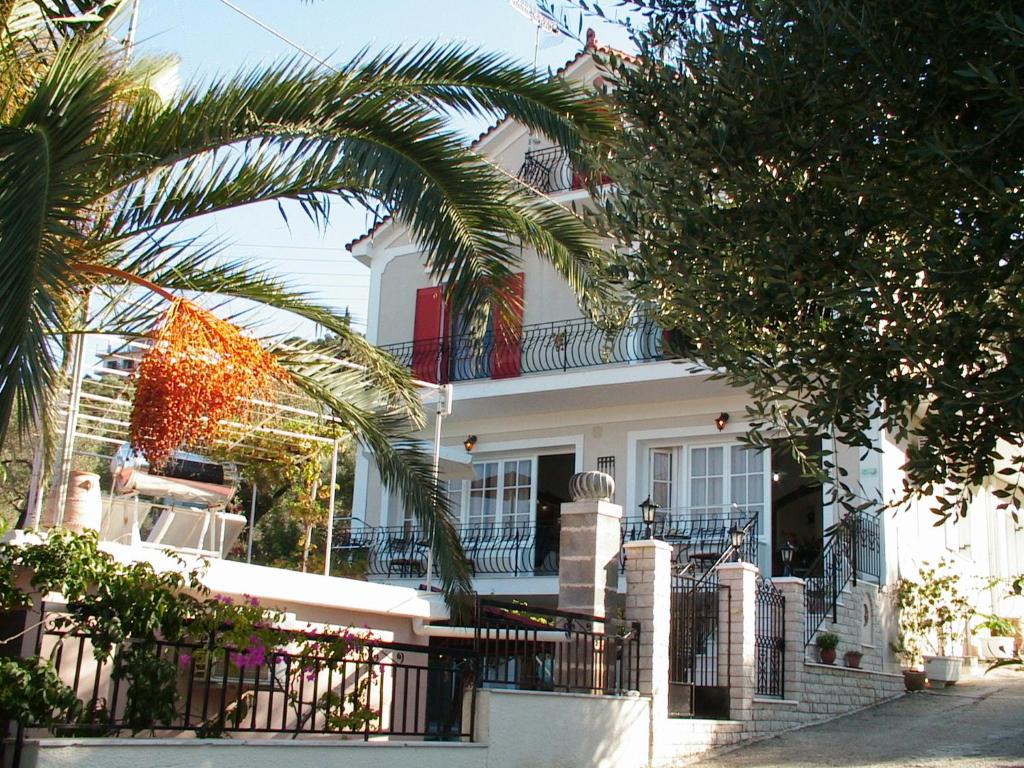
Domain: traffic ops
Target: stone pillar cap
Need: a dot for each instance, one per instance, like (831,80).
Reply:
(653,543)
(744,566)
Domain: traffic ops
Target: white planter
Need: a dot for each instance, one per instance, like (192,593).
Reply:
(996,647)
(942,669)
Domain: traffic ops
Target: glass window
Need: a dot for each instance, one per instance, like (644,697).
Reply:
(747,478)
(483,496)
(661,477)
(517,487)
(707,480)
(501,497)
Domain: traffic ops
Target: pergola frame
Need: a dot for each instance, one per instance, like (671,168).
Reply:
(98,408)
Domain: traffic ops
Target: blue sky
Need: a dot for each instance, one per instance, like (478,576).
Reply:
(210,38)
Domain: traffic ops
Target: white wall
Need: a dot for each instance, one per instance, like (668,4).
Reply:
(517,729)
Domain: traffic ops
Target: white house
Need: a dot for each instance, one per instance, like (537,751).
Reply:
(569,398)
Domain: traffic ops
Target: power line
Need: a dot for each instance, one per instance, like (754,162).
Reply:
(280,36)
(497,167)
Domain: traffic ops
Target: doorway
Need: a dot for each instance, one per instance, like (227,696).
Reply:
(553,473)
(797,512)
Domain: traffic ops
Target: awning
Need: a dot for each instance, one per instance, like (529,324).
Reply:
(453,463)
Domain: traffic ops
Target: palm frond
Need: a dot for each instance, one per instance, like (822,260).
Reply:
(389,436)
(46,159)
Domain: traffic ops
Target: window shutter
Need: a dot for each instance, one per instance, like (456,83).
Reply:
(508,332)
(428,331)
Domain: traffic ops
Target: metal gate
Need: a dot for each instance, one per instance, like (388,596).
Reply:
(698,672)
(769,639)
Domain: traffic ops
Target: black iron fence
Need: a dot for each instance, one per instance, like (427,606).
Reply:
(556,346)
(376,689)
(514,549)
(852,550)
(549,170)
(769,639)
(532,648)
(696,537)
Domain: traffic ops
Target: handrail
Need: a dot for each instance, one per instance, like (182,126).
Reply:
(730,551)
(853,547)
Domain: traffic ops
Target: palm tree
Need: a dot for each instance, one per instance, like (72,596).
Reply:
(98,173)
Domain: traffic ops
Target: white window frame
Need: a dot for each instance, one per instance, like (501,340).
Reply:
(501,514)
(682,452)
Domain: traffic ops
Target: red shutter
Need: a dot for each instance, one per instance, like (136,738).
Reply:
(427,347)
(508,332)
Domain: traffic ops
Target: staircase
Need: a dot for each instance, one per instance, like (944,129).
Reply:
(852,549)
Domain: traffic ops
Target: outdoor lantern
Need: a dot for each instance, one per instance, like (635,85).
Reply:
(736,536)
(469,443)
(786,553)
(721,420)
(648,510)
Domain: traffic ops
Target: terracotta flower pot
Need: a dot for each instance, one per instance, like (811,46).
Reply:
(827,657)
(852,659)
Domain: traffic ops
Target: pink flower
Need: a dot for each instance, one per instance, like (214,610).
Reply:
(185,659)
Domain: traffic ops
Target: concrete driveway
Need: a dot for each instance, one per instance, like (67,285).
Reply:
(977,722)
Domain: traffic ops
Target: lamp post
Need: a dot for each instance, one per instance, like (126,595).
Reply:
(736,536)
(648,510)
(786,552)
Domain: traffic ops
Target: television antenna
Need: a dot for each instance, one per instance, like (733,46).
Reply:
(542,22)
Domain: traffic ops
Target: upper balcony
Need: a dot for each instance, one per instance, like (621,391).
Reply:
(561,345)
(550,170)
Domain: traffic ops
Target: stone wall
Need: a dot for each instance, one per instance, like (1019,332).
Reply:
(861,622)
(826,692)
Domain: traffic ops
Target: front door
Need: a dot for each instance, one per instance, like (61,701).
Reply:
(797,512)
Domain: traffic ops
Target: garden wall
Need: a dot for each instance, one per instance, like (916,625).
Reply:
(515,729)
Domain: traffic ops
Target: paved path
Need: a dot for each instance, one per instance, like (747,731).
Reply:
(977,723)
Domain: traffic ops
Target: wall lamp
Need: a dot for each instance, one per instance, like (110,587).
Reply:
(721,420)
(469,443)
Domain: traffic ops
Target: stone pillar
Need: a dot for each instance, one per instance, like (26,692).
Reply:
(792,589)
(588,570)
(737,628)
(649,603)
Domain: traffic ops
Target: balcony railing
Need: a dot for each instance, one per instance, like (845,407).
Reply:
(512,549)
(698,537)
(531,549)
(549,170)
(556,346)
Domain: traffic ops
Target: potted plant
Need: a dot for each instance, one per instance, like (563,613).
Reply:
(827,643)
(930,611)
(852,659)
(999,643)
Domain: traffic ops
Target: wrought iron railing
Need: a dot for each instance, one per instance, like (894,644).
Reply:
(534,648)
(853,548)
(556,346)
(697,537)
(549,170)
(513,549)
(377,689)
(769,639)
